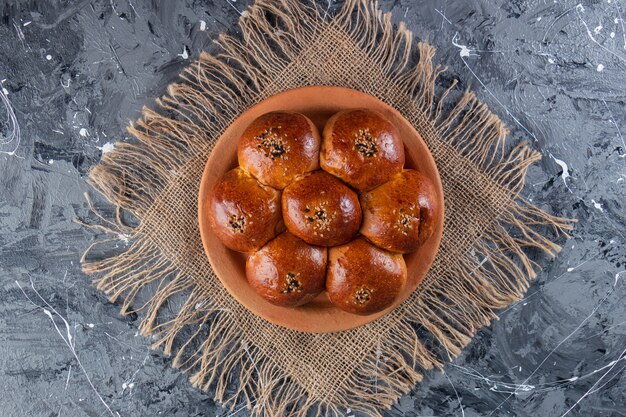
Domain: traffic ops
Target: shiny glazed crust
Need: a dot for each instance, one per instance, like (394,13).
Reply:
(244,213)
(362,148)
(361,154)
(362,278)
(321,210)
(400,215)
(287,271)
(279,147)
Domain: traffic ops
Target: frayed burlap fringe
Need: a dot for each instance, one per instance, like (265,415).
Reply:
(483,264)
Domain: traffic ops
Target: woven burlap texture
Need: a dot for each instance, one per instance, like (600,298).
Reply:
(482,265)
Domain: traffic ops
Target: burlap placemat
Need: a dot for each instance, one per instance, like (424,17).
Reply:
(482,265)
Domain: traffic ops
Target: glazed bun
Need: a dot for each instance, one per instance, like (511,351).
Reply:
(287,271)
(321,210)
(362,278)
(400,215)
(244,214)
(362,148)
(279,147)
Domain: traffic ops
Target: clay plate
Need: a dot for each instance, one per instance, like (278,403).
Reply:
(318,103)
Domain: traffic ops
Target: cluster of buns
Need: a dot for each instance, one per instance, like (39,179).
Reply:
(343,228)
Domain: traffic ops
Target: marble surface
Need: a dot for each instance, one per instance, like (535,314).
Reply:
(74,73)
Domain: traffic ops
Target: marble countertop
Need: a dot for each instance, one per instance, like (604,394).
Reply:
(74,74)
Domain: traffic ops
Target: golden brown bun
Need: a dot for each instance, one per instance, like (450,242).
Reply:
(362,148)
(321,210)
(400,215)
(362,278)
(287,271)
(244,214)
(279,147)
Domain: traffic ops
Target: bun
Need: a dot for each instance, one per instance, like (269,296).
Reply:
(400,215)
(363,279)
(343,228)
(362,148)
(279,147)
(321,210)
(244,214)
(287,271)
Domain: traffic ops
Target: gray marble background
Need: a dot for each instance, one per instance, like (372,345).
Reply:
(74,73)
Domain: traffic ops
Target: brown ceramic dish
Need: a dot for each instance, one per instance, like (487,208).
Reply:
(319,104)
